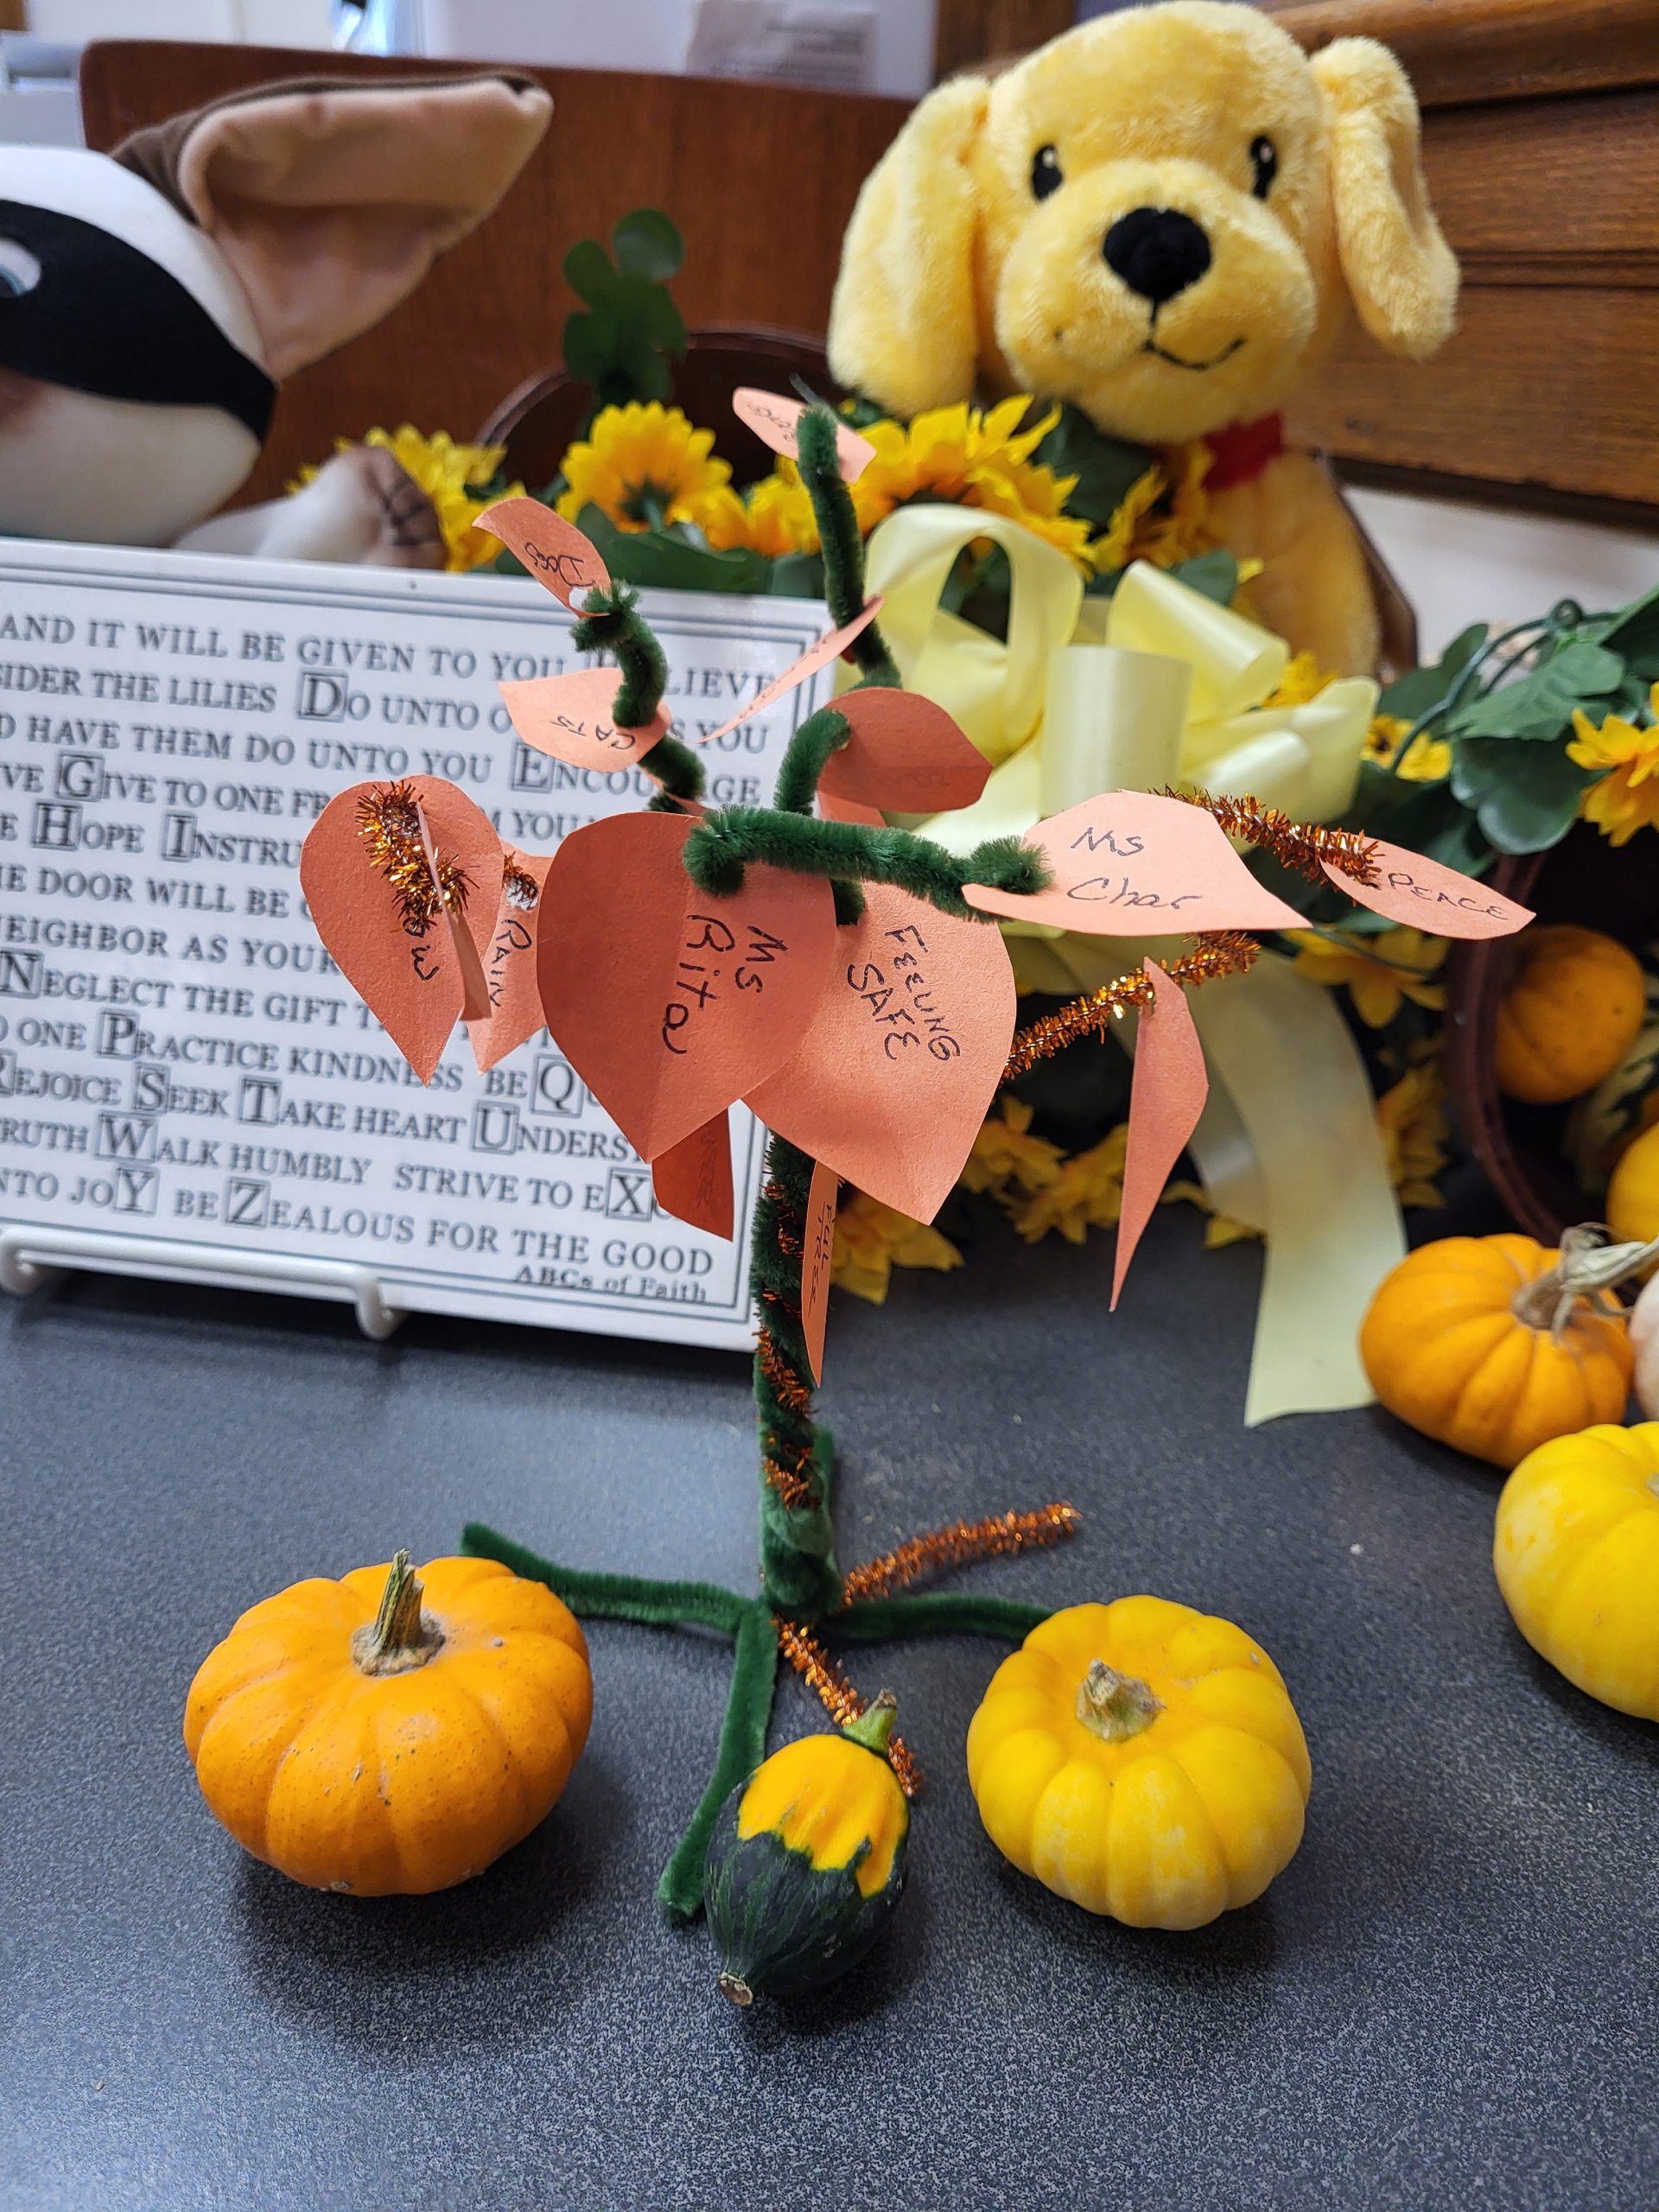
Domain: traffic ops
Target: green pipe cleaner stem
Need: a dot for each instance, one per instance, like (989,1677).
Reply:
(882,1620)
(814,744)
(842,544)
(742,1747)
(613,1597)
(723,844)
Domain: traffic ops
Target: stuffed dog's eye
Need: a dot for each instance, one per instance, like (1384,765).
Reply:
(1264,160)
(19,270)
(1045,173)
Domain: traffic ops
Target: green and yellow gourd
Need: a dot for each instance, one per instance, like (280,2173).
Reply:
(807,1861)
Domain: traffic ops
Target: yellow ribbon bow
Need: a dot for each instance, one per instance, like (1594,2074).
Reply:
(1160,686)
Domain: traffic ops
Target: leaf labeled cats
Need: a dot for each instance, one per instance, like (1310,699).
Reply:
(669,1003)
(570,717)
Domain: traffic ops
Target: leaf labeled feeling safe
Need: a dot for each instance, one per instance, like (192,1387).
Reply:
(403,883)
(776,421)
(906,754)
(818,655)
(668,1002)
(1131,864)
(1426,895)
(1165,1099)
(553,550)
(509,961)
(569,717)
(818,1261)
(906,1046)
(693,1181)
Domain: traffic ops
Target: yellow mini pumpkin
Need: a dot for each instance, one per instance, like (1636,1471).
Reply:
(1143,1760)
(1577,1556)
(1633,1194)
(390,1733)
(1494,1345)
(1574,1005)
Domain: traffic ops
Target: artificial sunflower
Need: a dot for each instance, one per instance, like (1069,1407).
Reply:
(872,1239)
(1007,1158)
(1625,797)
(1162,518)
(1411,1120)
(773,516)
(461,480)
(1380,972)
(974,458)
(1087,1193)
(1426,760)
(642,465)
(1220,1229)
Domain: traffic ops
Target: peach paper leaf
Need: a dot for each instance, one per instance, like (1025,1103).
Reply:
(776,421)
(818,1258)
(569,716)
(509,963)
(1166,1095)
(818,655)
(1425,894)
(906,754)
(693,1180)
(555,551)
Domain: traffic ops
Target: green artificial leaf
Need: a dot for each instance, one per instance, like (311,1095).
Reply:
(1215,575)
(1104,467)
(1409,697)
(1634,635)
(669,560)
(797,575)
(1525,797)
(590,342)
(649,246)
(658,317)
(1540,704)
(588,271)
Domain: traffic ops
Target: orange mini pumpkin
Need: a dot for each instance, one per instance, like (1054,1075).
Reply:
(391,1733)
(1574,1006)
(1495,1344)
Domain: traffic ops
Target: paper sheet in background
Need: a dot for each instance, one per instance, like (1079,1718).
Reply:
(178,1057)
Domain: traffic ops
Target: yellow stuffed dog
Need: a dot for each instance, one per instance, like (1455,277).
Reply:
(1161,216)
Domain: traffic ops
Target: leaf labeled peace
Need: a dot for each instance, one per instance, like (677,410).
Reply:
(1425,894)
(1166,1097)
(1133,864)
(403,883)
(907,1047)
(511,983)
(776,421)
(553,550)
(693,1181)
(569,716)
(905,754)
(669,1003)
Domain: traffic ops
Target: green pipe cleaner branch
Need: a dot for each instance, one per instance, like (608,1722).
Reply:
(801,1581)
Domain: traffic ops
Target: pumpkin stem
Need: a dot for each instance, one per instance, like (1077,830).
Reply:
(1588,1268)
(1115,1706)
(735,1989)
(400,1636)
(873,1725)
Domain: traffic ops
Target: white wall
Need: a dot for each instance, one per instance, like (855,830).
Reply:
(1460,564)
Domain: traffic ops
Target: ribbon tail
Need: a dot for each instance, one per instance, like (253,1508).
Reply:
(1167,1097)
(1298,1087)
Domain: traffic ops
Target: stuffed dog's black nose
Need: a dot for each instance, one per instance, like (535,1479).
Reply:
(1156,251)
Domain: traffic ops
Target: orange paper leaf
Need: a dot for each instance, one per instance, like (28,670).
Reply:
(775,421)
(1424,894)
(509,961)
(406,952)
(904,753)
(1131,864)
(827,648)
(817,1255)
(569,716)
(555,551)
(906,1048)
(693,1181)
(669,1003)
(1166,1097)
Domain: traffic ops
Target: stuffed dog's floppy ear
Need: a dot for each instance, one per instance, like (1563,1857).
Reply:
(332,200)
(904,325)
(1399,270)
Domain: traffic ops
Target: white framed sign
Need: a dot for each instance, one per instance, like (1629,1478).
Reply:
(181,1065)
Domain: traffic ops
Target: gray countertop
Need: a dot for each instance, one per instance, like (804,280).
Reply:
(1449,1998)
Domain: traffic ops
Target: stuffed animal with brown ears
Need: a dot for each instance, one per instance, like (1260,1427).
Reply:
(1162,217)
(153,301)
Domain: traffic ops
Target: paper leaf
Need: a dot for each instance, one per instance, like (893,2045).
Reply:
(891,1083)
(817,1255)
(413,979)
(509,961)
(1131,864)
(1166,1097)
(693,1180)
(849,809)
(670,1004)
(906,754)
(569,716)
(829,647)
(775,421)
(1424,894)
(555,551)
